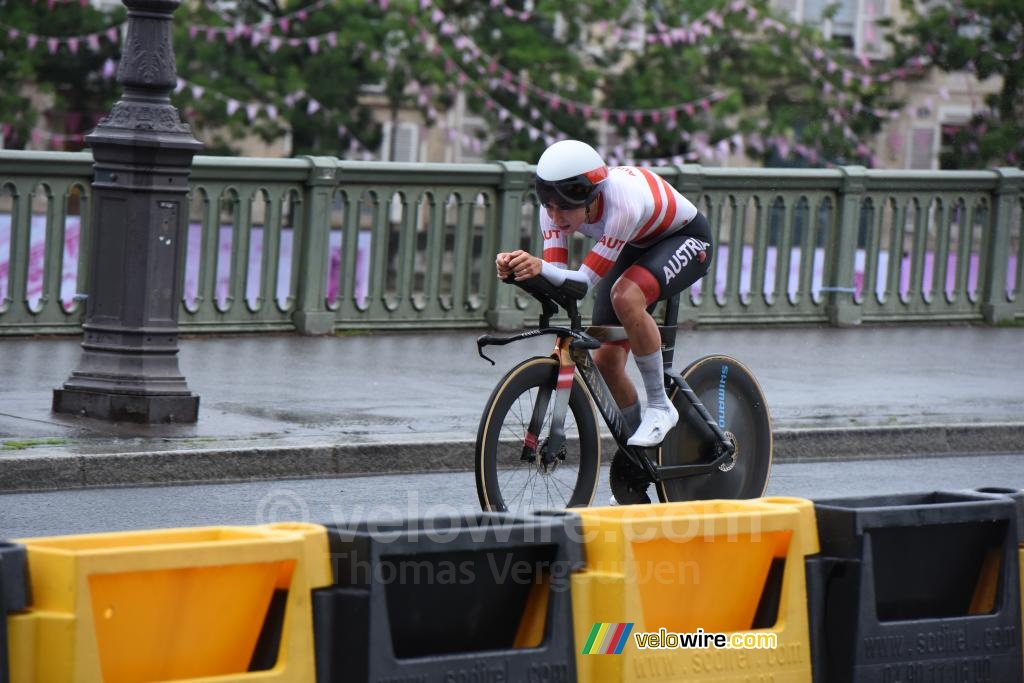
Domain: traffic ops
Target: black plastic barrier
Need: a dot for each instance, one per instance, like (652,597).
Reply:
(473,599)
(13,595)
(917,588)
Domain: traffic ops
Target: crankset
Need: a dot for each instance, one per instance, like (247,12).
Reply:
(629,482)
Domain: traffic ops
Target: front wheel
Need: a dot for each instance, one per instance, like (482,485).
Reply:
(732,395)
(515,471)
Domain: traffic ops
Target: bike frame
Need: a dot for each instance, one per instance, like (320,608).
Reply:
(699,418)
(572,350)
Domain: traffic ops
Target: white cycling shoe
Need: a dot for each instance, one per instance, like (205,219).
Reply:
(654,427)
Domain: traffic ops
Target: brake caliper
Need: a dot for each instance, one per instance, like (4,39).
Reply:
(548,460)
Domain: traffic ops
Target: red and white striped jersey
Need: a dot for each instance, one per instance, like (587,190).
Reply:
(639,207)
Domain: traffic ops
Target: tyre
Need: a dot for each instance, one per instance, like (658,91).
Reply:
(505,482)
(723,385)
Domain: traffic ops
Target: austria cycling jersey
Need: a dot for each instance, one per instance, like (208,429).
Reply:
(638,208)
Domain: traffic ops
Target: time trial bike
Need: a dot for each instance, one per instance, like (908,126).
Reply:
(538,445)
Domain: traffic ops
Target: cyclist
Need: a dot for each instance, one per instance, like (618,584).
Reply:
(652,243)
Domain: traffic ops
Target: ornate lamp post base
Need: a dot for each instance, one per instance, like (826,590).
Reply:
(127,407)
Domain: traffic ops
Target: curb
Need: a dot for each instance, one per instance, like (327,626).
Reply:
(874,443)
(207,466)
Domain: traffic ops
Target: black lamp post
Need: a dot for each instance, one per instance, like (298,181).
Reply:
(143,155)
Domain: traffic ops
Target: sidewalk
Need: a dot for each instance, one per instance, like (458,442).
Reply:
(275,406)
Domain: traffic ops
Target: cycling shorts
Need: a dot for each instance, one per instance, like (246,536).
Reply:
(664,268)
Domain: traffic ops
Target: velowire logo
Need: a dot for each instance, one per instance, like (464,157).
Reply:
(607,639)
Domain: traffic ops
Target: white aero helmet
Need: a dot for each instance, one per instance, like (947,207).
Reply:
(569,174)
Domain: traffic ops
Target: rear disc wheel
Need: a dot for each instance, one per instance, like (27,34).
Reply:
(734,398)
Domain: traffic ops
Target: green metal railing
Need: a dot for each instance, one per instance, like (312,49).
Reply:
(317,244)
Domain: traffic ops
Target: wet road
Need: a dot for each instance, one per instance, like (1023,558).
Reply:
(292,390)
(388,497)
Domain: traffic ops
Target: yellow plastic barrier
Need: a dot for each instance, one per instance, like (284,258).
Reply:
(174,604)
(730,567)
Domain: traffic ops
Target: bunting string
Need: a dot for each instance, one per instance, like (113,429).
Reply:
(89,41)
(471,69)
(501,77)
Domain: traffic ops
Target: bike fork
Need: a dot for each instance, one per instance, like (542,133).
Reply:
(540,408)
(563,389)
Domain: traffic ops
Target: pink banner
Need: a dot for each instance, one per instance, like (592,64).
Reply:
(282,289)
(37,259)
(859,285)
(69,277)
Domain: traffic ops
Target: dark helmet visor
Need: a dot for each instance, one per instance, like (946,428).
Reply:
(572,193)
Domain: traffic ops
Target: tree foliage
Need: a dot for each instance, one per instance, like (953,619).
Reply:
(659,80)
(986,38)
(778,85)
(73,81)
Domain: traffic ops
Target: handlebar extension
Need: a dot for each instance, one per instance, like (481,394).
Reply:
(551,297)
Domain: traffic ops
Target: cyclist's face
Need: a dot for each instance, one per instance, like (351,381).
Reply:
(566,219)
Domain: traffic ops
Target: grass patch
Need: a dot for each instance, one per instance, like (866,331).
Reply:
(29,443)
(195,441)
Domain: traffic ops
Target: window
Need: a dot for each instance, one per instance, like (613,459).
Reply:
(870,38)
(843,23)
(922,152)
(947,150)
(794,8)
(952,120)
(854,22)
(406,145)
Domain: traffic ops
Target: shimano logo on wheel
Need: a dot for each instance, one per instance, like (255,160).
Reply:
(721,396)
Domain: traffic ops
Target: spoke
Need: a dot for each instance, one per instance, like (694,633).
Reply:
(569,486)
(558,482)
(512,474)
(516,467)
(547,488)
(518,405)
(517,408)
(533,492)
(521,494)
(521,438)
